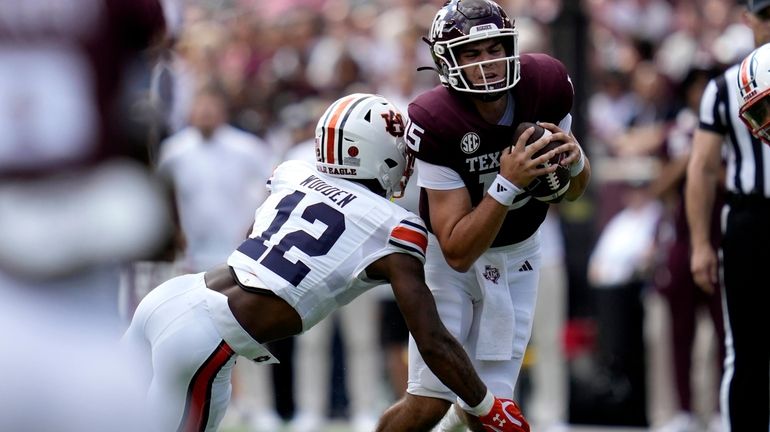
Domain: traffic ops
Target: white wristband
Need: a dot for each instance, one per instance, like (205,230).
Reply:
(577,167)
(484,407)
(503,191)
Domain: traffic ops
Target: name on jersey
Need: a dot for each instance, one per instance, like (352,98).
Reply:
(335,194)
(483,162)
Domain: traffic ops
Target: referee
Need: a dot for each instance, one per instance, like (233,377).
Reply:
(745,248)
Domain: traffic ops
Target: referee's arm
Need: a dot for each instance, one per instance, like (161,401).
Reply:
(702,177)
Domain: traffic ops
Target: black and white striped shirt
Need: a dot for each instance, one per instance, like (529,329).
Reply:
(748,159)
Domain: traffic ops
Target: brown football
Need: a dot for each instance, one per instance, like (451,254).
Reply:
(551,187)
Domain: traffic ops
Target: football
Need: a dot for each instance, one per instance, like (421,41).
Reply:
(551,187)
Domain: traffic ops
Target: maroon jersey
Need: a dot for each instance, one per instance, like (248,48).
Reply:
(445,129)
(62,65)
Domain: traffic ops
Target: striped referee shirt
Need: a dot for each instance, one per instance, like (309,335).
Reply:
(748,159)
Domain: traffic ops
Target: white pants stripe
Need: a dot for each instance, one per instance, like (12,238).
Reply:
(189,337)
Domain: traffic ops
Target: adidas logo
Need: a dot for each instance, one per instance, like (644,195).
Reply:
(501,188)
(525,267)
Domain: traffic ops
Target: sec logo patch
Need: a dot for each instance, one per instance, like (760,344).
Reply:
(470,142)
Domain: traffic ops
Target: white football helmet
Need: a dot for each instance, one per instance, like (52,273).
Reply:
(361,137)
(754,86)
(460,22)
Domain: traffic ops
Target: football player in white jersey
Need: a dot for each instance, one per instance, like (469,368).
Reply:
(324,235)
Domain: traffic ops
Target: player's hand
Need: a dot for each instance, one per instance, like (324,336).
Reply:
(517,165)
(704,266)
(569,146)
(505,416)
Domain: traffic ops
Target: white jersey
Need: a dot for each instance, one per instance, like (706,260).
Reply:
(315,235)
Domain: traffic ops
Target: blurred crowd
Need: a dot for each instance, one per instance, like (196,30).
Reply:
(278,63)
(274,59)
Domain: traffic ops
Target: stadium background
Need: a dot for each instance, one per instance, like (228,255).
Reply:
(281,62)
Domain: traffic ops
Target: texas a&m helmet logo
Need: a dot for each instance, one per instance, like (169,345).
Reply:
(470,142)
(438,25)
(394,123)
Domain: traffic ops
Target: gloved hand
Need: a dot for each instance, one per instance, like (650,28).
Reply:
(505,416)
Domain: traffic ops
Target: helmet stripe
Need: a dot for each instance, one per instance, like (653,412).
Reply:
(324,135)
(335,122)
(330,126)
(746,75)
(342,126)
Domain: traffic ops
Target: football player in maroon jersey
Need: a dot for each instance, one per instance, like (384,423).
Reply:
(483,259)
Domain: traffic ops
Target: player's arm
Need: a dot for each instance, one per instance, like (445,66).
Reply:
(465,232)
(579,183)
(440,350)
(703,172)
(445,357)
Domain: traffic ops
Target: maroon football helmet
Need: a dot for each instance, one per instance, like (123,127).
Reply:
(461,22)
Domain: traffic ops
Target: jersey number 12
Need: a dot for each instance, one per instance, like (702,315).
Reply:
(274,259)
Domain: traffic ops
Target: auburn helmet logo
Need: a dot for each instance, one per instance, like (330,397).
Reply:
(394,123)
